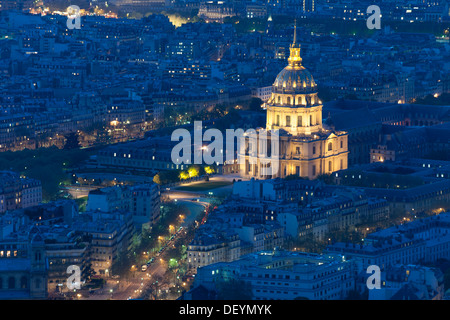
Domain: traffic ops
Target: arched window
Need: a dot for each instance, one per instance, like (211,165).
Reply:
(23,282)
(330,146)
(288,100)
(311,120)
(299,121)
(288,121)
(278,120)
(330,166)
(279,99)
(11,283)
(314,149)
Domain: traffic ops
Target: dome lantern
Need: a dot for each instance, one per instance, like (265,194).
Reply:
(294,78)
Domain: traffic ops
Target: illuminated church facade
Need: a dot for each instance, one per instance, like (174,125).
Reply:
(306,147)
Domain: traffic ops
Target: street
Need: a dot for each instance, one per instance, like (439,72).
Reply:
(123,289)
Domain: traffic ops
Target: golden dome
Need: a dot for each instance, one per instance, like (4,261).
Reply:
(294,81)
(294,78)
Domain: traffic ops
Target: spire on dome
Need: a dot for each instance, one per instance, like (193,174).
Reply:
(295,33)
(295,61)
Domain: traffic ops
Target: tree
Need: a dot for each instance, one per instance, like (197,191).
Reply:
(157,179)
(194,171)
(325,94)
(121,266)
(351,96)
(255,104)
(48,165)
(72,141)
(209,170)
(232,118)
(326,178)
(184,175)
(293,177)
(89,271)
(447,279)
(443,99)
(165,177)
(151,292)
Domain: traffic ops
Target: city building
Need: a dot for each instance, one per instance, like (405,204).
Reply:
(23,267)
(307,208)
(64,248)
(283,275)
(207,248)
(111,235)
(228,234)
(294,113)
(141,200)
(215,11)
(421,241)
(18,192)
(410,282)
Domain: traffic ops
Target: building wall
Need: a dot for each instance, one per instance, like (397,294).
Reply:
(284,277)
(23,273)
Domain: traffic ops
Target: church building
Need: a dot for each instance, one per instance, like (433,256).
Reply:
(307,148)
